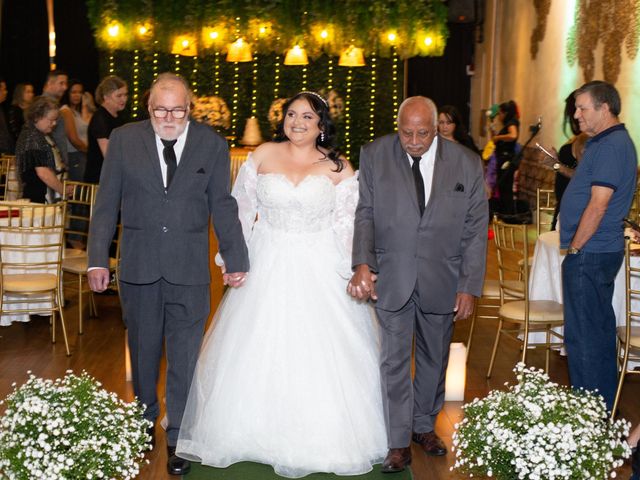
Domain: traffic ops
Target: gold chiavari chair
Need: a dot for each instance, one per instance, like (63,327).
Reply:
(629,333)
(31,244)
(528,315)
(12,190)
(5,162)
(545,208)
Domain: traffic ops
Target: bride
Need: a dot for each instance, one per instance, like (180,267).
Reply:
(288,376)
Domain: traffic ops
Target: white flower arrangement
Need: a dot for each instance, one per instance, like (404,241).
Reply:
(538,430)
(211,110)
(70,428)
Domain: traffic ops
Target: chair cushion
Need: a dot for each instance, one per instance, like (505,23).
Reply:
(542,311)
(29,282)
(635,335)
(78,265)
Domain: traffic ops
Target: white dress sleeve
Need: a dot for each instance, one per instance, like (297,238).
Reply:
(244,191)
(343,222)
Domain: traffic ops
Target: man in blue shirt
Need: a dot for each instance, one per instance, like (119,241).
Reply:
(591,229)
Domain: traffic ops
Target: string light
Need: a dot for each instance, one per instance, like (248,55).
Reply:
(176,63)
(254,85)
(276,76)
(236,90)
(372,98)
(330,74)
(134,107)
(112,63)
(194,77)
(155,58)
(304,77)
(216,74)
(394,82)
(347,116)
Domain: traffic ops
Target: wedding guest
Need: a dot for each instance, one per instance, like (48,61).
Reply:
(451,127)
(76,115)
(111,96)
(54,87)
(169,177)
(6,140)
(505,141)
(36,152)
(593,205)
(22,98)
(419,251)
(288,376)
(565,161)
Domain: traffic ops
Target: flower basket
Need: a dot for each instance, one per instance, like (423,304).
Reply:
(70,428)
(539,430)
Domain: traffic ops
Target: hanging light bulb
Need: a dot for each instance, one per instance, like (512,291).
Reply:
(239,51)
(296,56)
(352,57)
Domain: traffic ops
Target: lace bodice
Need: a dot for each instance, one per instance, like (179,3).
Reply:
(302,208)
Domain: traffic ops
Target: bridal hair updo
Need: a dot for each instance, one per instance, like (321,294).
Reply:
(327,139)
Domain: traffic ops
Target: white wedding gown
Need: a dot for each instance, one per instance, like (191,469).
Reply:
(289,376)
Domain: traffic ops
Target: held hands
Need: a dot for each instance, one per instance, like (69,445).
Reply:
(99,279)
(464,306)
(362,284)
(234,279)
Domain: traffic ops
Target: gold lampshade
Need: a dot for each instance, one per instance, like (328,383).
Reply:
(239,51)
(184,45)
(352,57)
(296,56)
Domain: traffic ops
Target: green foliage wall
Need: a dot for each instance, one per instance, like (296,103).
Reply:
(199,71)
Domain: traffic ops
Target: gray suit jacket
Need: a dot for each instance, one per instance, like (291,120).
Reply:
(166,234)
(440,254)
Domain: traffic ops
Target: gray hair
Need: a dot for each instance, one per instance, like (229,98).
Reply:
(168,77)
(427,102)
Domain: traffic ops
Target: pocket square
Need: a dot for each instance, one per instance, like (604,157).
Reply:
(459,188)
(200,170)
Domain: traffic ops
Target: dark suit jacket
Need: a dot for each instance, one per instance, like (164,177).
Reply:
(166,234)
(440,254)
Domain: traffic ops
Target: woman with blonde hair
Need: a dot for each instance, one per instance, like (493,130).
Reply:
(111,95)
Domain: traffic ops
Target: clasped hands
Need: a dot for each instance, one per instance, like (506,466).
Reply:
(235,279)
(362,284)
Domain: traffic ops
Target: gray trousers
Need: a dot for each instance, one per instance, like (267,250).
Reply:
(176,314)
(412,406)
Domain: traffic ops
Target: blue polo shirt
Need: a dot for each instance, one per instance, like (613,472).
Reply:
(609,160)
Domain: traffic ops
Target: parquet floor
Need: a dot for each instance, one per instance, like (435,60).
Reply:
(100,351)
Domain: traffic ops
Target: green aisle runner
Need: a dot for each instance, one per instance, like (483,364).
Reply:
(257,471)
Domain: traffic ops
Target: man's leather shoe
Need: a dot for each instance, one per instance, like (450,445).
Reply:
(175,464)
(431,444)
(151,431)
(397,459)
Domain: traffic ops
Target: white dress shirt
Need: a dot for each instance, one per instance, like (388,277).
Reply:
(177,148)
(427,163)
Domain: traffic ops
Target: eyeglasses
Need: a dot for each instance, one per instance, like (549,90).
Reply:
(176,113)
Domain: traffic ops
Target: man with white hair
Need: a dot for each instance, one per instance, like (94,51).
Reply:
(419,251)
(168,177)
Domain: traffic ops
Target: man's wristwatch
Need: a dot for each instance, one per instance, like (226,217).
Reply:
(572,250)
(556,166)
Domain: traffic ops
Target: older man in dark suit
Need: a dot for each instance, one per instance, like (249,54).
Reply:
(168,177)
(419,249)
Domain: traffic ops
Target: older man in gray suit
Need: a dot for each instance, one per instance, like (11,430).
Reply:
(419,251)
(168,177)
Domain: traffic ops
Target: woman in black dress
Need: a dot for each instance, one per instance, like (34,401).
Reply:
(505,141)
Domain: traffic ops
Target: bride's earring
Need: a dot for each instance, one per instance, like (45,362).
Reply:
(322,136)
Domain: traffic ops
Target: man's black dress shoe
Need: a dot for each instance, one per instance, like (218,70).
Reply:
(397,460)
(430,443)
(175,464)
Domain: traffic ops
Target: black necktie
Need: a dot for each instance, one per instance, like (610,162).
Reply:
(419,181)
(170,159)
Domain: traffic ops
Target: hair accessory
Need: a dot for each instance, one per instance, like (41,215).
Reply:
(317,95)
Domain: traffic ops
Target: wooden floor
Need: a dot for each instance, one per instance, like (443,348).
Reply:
(100,351)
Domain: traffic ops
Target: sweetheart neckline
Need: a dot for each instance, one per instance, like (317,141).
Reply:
(296,185)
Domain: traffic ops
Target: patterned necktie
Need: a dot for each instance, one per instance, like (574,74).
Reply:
(419,181)
(170,159)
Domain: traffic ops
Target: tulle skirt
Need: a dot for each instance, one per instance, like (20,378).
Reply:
(288,375)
